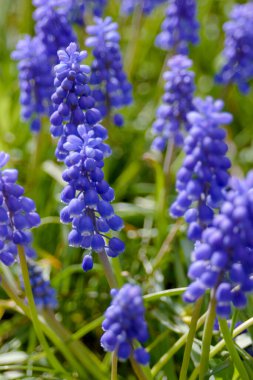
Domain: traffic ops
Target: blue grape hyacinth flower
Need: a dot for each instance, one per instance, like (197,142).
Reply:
(52,26)
(171,118)
(204,172)
(110,87)
(17,215)
(128,6)
(124,323)
(238,50)
(35,80)
(44,295)
(81,146)
(180,26)
(223,259)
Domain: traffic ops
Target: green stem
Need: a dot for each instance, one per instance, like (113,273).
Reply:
(81,352)
(114,372)
(234,318)
(181,341)
(63,348)
(108,269)
(87,328)
(219,346)
(232,350)
(167,160)
(137,369)
(135,34)
(190,338)
(164,293)
(207,337)
(34,315)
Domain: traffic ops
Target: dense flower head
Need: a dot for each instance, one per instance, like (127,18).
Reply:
(238,50)
(110,87)
(81,145)
(128,6)
(203,175)
(44,295)
(35,79)
(223,260)
(179,27)
(171,118)
(52,26)
(72,99)
(125,322)
(17,215)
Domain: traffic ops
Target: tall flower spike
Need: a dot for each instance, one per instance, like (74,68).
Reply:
(177,102)
(128,6)
(203,176)
(17,215)
(110,87)
(81,146)
(179,27)
(238,50)
(224,259)
(52,26)
(35,79)
(125,322)
(44,295)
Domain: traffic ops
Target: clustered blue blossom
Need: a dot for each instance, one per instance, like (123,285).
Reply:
(204,172)
(35,80)
(223,260)
(110,87)
(171,118)
(44,295)
(125,322)
(37,55)
(52,26)
(17,215)
(81,146)
(238,50)
(128,6)
(180,26)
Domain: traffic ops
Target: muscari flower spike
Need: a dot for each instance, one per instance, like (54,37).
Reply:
(180,26)
(223,260)
(17,215)
(171,118)
(44,295)
(203,175)
(238,50)
(52,26)
(128,6)
(87,195)
(35,80)
(110,87)
(125,322)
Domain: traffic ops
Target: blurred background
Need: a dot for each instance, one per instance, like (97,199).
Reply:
(133,172)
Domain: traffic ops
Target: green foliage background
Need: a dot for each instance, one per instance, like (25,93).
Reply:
(139,186)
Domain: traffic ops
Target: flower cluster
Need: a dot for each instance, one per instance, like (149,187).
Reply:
(179,27)
(238,51)
(44,295)
(36,57)
(35,79)
(81,146)
(177,102)
(17,215)
(223,261)
(110,87)
(125,322)
(52,26)
(128,6)
(203,175)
